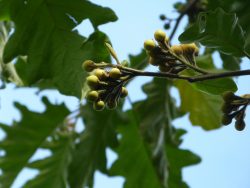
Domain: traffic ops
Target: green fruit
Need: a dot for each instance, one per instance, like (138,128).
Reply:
(226,119)
(124,92)
(115,73)
(240,125)
(101,74)
(92,96)
(166,26)
(99,105)
(163,17)
(160,35)
(190,49)
(89,65)
(176,49)
(93,82)
(149,45)
(228,96)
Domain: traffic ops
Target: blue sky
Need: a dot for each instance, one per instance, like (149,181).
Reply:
(225,153)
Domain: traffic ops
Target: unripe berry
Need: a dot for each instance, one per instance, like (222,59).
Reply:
(92,95)
(88,65)
(226,119)
(101,74)
(240,125)
(99,105)
(228,96)
(115,73)
(93,81)
(160,35)
(163,17)
(177,49)
(124,92)
(190,48)
(149,45)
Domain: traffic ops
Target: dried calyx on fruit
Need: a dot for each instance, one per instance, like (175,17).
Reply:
(234,107)
(170,58)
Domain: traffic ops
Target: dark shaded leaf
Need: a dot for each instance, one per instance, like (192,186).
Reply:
(89,154)
(53,169)
(141,172)
(139,61)
(230,62)
(219,30)
(44,32)
(23,138)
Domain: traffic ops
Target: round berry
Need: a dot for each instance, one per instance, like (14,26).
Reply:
(93,81)
(160,35)
(240,125)
(226,119)
(88,65)
(149,45)
(124,92)
(99,105)
(177,49)
(115,73)
(92,96)
(101,74)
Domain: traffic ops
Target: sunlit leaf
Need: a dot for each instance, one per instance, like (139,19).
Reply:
(204,109)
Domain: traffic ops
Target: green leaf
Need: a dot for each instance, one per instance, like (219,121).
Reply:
(204,109)
(23,138)
(216,87)
(44,33)
(139,61)
(178,159)
(141,172)
(53,169)
(219,30)
(89,154)
(230,62)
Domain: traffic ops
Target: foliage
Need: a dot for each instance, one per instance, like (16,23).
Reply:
(46,51)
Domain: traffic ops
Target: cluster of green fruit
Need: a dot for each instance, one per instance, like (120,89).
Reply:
(234,107)
(106,86)
(168,57)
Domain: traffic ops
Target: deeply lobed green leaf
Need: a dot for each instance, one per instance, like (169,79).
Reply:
(44,33)
(23,138)
(217,29)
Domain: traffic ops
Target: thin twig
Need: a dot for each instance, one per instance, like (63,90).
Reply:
(178,20)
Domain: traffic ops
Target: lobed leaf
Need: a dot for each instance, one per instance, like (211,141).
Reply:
(204,109)
(217,29)
(44,33)
(53,170)
(90,153)
(23,138)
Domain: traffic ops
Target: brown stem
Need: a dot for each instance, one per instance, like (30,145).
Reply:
(178,20)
